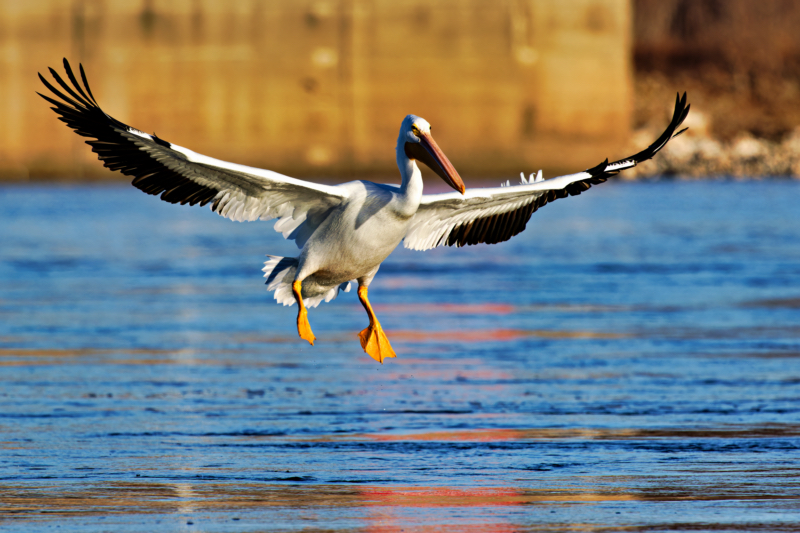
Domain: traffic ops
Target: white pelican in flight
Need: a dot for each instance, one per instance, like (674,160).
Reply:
(345,231)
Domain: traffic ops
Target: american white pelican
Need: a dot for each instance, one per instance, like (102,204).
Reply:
(344,232)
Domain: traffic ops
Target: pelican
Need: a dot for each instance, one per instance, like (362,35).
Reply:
(345,231)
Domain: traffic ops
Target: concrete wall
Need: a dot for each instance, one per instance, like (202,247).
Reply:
(319,87)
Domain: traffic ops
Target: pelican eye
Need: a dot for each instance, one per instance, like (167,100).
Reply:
(415,130)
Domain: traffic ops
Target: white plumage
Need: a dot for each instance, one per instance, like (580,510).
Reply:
(344,232)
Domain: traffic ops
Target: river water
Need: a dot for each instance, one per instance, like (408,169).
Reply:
(630,362)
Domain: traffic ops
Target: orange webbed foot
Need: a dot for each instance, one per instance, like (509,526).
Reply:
(375,342)
(304,328)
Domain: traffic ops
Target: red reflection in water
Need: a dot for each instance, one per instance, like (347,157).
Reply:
(470,435)
(441,497)
(411,335)
(452,308)
(496,334)
(386,505)
(445,528)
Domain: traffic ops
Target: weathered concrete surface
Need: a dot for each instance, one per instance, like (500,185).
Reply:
(320,87)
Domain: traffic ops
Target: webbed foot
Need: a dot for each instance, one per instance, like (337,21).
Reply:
(304,328)
(375,342)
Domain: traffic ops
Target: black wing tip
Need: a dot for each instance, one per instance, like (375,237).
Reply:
(81,105)
(681,112)
(86,82)
(70,73)
(77,107)
(68,67)
(598,170)
(83,96)
(678,116)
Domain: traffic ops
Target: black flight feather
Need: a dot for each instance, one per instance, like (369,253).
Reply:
(501,227)
(80,111)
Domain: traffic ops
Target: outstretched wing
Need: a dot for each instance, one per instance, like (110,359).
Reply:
(492,215)
(181,176)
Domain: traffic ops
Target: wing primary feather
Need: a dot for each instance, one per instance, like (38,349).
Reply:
(79,110)
(74,81)
(69,90)
(85,82)
(59,94)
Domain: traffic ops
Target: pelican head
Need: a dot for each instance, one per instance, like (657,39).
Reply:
(418,144)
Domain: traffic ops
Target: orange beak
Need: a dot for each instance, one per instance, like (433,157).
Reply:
(428,152)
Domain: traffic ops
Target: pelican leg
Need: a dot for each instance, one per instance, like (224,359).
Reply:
(303,327)
(373,339)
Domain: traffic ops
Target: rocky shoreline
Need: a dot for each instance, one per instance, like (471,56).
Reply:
(699,154)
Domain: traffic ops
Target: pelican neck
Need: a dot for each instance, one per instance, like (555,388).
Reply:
(411,185)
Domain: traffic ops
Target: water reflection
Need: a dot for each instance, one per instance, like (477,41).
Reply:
(637,378)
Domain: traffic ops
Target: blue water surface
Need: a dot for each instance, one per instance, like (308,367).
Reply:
(629,362)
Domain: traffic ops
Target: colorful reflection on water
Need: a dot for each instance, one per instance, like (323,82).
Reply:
(630,362)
